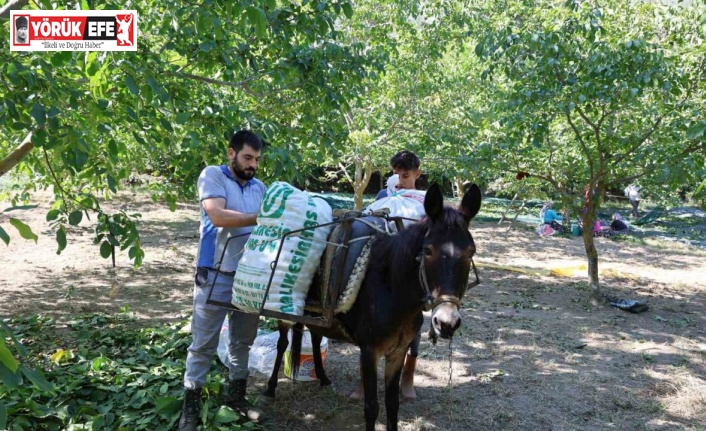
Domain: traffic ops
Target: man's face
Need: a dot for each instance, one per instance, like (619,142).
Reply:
(407,177)
(22,33)
(244,162)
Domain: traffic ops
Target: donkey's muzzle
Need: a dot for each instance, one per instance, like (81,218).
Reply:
(446,320)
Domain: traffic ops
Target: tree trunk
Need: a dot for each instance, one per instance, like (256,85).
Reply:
(592,256)
(589,219)
(458,182)
(16,155)
(363,172)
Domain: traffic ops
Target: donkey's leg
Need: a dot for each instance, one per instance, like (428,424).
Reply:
(282,344)
(318,361)
(368,368)
(393,370)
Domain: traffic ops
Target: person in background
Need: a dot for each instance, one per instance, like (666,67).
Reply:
(632,192)
(550,217)
(405,166)
(229,201)
(617,225)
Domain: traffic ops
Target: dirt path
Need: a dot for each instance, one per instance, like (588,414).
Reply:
(532,353)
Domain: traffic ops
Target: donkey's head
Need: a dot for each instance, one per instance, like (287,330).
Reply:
(446,257)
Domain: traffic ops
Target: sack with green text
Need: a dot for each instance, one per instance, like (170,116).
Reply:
(284,209)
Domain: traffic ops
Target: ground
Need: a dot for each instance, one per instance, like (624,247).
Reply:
(532,353)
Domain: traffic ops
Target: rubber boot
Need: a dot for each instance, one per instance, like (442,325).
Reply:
(191,410)
(238,402)
(358,394)
(407,380)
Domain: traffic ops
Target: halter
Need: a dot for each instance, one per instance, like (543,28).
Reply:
(429,301)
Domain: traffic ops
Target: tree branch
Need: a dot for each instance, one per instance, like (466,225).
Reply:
(16,155)
(616,161)
(581,141)
(10,5)
(345,172)
(596,132)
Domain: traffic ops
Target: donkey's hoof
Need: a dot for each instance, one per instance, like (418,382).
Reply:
(267,397)
(325,382)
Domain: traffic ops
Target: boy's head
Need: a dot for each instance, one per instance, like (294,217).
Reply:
(406,165)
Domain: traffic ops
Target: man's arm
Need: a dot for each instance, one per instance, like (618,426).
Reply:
(222,217)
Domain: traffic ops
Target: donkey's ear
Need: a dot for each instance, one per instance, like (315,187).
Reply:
(434,202)
(470,205)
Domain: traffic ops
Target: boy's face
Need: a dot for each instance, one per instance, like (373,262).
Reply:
(22,33)
(407,177)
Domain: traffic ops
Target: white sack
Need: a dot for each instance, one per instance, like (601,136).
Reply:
(284,209)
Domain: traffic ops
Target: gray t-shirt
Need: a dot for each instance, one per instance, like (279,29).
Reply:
(218,182)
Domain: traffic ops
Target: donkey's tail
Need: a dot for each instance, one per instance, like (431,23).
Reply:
(297,334)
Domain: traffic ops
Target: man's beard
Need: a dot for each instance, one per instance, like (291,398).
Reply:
(241,173)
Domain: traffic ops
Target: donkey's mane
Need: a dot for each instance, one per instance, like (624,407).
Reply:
(398,252)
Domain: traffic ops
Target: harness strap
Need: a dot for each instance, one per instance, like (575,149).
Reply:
(429,301)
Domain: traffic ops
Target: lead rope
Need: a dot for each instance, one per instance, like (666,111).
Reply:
(449,385)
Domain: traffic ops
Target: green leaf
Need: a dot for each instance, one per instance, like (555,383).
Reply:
(257,18)
(8,333)
(20,207)
(701,186)
(132,86)
(25,231)
(3,416)
(114,242)
(106,249)
(39,138)
(75,217)
(37,378)
(111,183)
(167,405)
(98,423)
(4,236)
(225,415)
(53,214)
(11,379)
(6,356)
(348,10)
(39,114)
(697,130)
(182,117)
(61,240)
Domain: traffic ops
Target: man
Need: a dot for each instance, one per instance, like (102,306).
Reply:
(21,25)
(230,199)
(405,165)
(632,192)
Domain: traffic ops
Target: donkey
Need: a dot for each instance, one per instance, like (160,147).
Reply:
(425,266)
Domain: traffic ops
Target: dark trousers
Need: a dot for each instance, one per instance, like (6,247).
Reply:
(635,204)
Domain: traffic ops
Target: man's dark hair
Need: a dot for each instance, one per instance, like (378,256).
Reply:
(21,21)
(245,137)
(406,160)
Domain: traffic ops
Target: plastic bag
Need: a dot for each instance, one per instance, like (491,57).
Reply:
(262,353)
(544,230)
(403,203)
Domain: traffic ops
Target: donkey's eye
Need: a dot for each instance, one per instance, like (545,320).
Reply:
(427,251)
